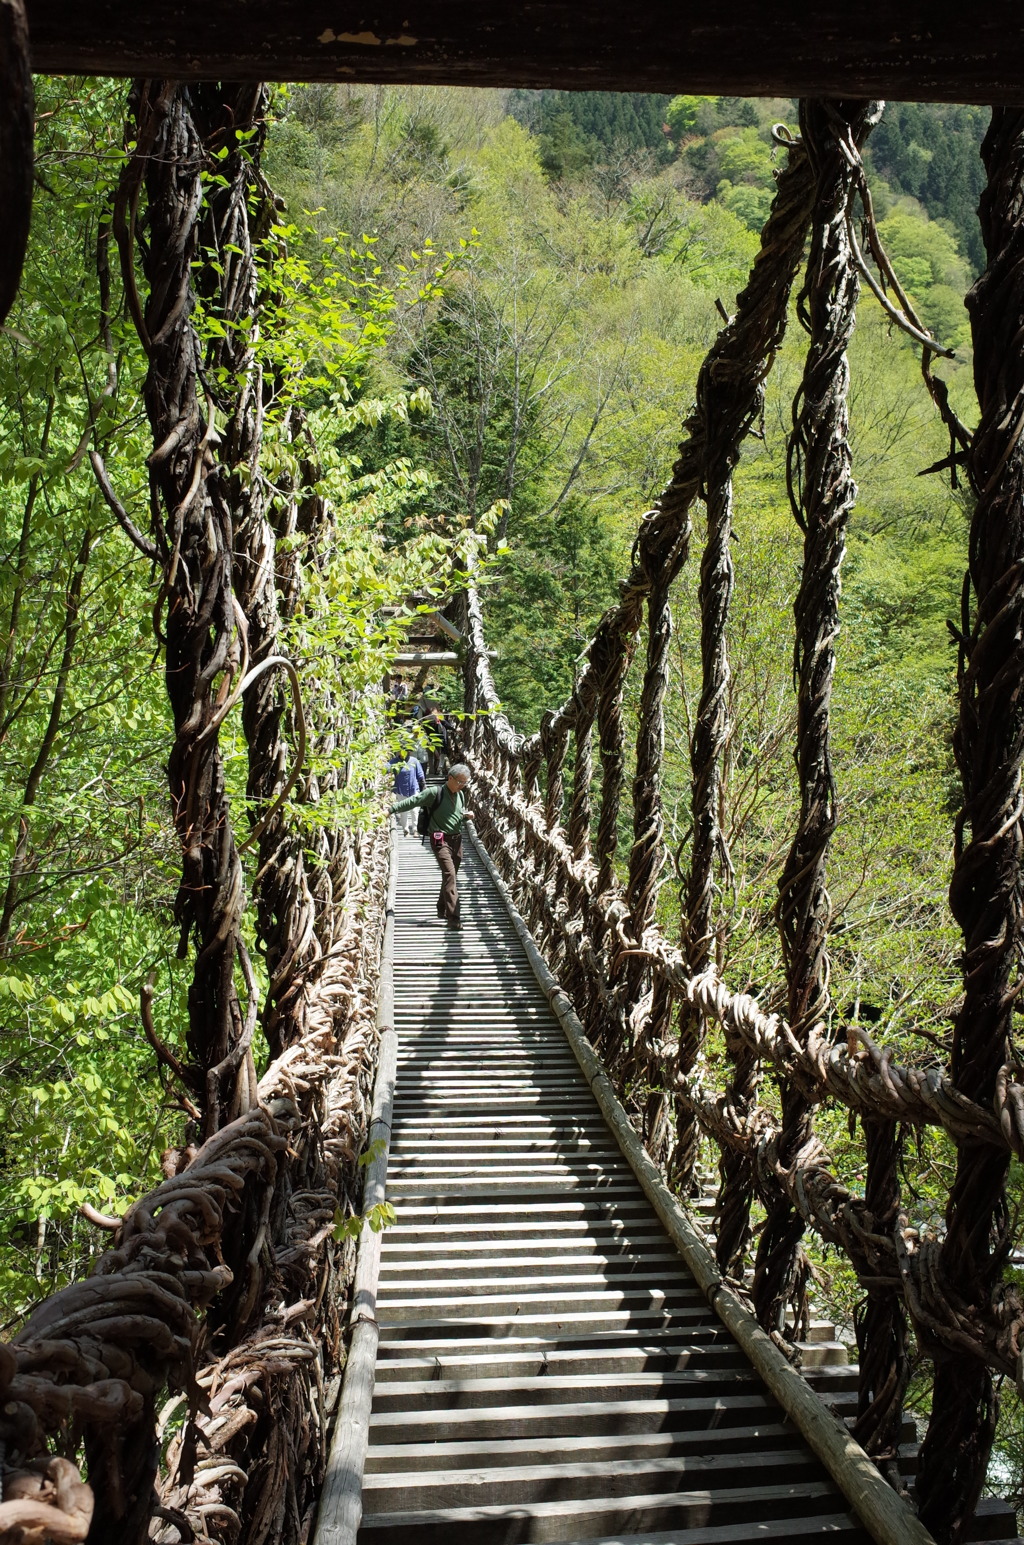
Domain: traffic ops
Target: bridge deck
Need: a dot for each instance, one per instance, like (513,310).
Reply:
(548,1370)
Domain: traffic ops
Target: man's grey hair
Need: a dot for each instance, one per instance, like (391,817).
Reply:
(459,770)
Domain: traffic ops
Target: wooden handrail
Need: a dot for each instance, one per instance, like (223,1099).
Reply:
(341,1501)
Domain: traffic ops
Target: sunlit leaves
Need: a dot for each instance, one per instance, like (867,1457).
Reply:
(87,911)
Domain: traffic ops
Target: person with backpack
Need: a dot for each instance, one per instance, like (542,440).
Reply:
(409,779)
(443,812)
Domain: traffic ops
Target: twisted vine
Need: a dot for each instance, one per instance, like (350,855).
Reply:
(985,894)
(224,1291)
(203,632)
(822,493)
(730,397)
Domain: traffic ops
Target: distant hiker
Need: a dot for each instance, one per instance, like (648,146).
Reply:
(409,779)
(446,810)
(420,751)
(436,735)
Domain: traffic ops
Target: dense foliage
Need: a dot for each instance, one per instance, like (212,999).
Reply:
(83,724)
(930,151)
(578,129)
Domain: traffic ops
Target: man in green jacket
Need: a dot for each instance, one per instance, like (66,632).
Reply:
(448,811)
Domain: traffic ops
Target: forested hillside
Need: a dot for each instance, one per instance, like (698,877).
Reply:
(491,317)
(560,358)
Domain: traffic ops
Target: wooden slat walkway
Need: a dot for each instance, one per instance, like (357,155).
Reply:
(547,1368)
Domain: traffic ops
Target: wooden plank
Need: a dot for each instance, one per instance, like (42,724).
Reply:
(577,1419)
(538,1522)
(613,1445)
(555,1389)
(548,1479)
(915,51)
(499,1364)
(839,1527)
(427,657)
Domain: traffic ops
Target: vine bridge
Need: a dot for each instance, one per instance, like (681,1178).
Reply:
(563,1354)
(557,1356)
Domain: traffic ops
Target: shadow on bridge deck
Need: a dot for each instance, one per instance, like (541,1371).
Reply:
(548,1370)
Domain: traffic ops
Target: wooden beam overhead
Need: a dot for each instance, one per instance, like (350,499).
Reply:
(427,657)
(930,50)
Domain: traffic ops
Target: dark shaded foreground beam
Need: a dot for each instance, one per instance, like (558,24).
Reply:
(925,51)
(16,128)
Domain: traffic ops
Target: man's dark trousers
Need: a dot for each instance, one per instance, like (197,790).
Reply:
(448,852)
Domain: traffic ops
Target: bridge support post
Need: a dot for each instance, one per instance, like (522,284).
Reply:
(730,394)
(822,493)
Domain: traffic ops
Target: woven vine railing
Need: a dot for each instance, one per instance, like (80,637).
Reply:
(647,1001)
(198,1364)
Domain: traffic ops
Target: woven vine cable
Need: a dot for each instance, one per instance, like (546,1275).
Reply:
(985,894)
(822,493)
(729,397)
(555,743)
(193,535)
(707,851)
(647,854)
(880,1322)
(650,1001)
(854,1069)
(94,1357)
(247,1468)
(582,778)
(707,845)
(864,1076)
(611,660)
(824,1202)
(882,1258)
(204,655)
(871,1082)
(131,1326)
(730,394)
(230,232)
(255,1457)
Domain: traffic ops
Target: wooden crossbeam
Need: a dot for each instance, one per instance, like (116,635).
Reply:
(923,51)
(428,657)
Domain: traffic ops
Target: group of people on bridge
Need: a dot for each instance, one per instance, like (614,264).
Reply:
(447,810)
